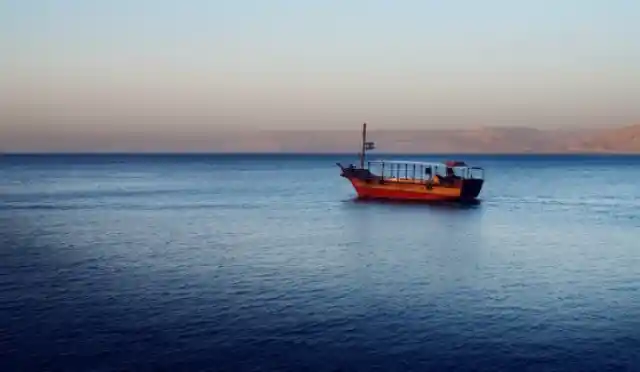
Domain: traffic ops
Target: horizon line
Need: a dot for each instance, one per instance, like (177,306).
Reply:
(302,153)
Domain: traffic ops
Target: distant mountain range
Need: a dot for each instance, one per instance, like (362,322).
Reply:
(481,140)
(484,140)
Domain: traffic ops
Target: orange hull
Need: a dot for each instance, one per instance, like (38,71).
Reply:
(406,191)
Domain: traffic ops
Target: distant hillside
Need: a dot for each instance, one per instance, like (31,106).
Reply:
(615,140)
(481,140)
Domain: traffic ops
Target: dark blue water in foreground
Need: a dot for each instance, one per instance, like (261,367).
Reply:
(266,263)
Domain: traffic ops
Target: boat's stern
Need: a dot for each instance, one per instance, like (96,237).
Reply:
(471,188)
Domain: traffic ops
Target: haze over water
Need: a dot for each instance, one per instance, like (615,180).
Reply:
(238,263)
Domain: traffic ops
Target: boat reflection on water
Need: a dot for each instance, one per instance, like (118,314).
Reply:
(462,204)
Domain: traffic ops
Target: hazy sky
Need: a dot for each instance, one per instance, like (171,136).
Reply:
(119,66)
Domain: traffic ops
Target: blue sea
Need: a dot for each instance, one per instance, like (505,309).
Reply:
(267,263)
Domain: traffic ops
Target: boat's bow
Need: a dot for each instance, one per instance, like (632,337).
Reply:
(353,173)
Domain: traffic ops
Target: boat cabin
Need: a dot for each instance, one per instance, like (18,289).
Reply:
(419,172)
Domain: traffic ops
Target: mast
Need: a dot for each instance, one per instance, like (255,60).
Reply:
(365,145)
(364,141)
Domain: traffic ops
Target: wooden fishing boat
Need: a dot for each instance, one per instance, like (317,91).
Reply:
(412,180)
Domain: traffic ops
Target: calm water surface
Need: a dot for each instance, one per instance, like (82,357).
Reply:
(234,263)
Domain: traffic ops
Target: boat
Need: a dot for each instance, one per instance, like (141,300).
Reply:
(451,180)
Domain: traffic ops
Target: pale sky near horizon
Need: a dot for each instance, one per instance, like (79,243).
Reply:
(119,66)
